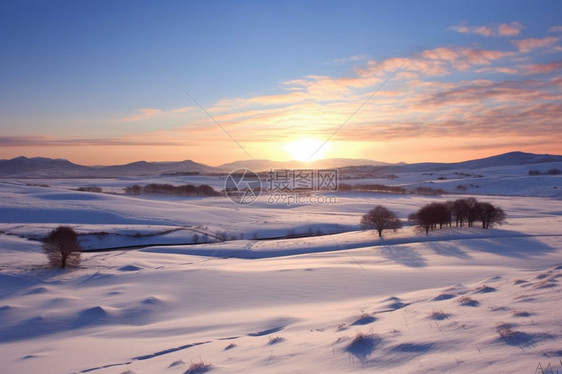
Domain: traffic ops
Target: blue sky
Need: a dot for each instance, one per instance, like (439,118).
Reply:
(81,80)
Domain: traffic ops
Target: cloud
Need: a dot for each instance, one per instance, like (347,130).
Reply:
(428,98)
(442,60)
(497,69)
(557,28)
(529,44)
(510,29)
(482,30)
(544,68)
(356,86)
(504,29)
(143,114)
(47,141)
(346,60)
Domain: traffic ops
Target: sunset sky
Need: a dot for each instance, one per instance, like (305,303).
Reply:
(108,82)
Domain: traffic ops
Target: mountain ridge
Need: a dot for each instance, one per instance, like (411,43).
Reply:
(42,167)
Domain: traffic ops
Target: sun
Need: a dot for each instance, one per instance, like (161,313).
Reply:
(306,149)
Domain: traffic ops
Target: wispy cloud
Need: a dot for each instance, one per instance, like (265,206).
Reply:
(529,44)
(46,141)
(347,60)
(544,68)
(143,114)
(503,29)
(557,28)
(497,69)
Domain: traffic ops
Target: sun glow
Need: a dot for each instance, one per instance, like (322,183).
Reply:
(306,149)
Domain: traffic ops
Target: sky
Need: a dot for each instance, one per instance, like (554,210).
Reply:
(112,82)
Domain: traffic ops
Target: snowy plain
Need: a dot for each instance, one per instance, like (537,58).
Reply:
(332,299)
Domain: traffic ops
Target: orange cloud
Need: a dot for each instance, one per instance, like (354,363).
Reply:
(412,105)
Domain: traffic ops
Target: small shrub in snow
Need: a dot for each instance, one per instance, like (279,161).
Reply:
(521,313)
(360,338)
(364,319)
(198,368)
(62,247)
(467,301)
(438,315)
(275,340)
(504,330)
(363,344)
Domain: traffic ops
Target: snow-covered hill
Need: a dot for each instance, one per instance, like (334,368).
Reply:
(164,292)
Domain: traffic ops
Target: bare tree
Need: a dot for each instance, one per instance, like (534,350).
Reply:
(460,210)
(62,247)
(490,215)
(424,218)
(473,211)
(380,218)
(431,215)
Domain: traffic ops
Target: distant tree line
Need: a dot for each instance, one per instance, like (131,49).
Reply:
(438,214)
(548,172)
(381,188)
(168,189)
(180,173)
(90,189)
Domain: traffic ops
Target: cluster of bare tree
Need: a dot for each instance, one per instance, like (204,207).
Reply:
(430,216)
(461,211)
(168,189)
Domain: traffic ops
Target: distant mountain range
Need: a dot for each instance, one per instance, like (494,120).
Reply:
(329,163)
(506,159)
(39,167)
